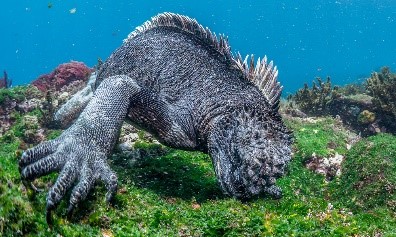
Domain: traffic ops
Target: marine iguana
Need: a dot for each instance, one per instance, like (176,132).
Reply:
(179,81)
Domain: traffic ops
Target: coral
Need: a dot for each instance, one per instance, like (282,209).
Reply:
(315,101)
(366,117)
(5,82)
(130,137)
(30,122)
(62,76)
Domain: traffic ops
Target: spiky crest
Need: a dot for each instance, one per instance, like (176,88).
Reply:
(263,75)
(187,24)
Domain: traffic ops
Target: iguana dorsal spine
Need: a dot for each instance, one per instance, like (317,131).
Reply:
(262,74)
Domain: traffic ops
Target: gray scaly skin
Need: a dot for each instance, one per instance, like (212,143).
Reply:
(180,82)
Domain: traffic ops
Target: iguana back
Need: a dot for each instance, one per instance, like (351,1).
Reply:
(187,69)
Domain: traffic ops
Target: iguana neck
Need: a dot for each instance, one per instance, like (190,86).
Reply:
(208,121)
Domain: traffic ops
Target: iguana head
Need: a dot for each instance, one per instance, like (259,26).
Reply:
(249,151)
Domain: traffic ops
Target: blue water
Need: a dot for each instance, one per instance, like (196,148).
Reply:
(344,39)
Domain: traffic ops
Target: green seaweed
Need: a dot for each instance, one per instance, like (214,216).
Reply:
(14,93)
(381,87)
(317,100)
(368,179)
(168,192)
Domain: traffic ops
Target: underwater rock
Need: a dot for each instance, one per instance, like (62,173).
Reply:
(28,105)
(9,100)
(43,96)
(368,179)
(368,108)
(375,128)
(7,107)
(354,112)
(33,136)
(327,166)
(129,136)
(292,111)
(6,123)
(366,117)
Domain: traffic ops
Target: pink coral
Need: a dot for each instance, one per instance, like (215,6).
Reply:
(63,75)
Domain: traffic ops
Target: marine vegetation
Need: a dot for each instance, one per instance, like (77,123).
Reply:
(368,180)
(16,94)
(13,102)
(366,117)
(169,192)
(64,74)
(368,108)
(382,87)
(5,82)
(315,101)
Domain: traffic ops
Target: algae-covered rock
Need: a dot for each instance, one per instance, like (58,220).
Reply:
(368,177)
(368,108)
(168,192)
(366,117)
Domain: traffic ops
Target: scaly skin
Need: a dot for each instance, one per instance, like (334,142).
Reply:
(81,151)
(178,81)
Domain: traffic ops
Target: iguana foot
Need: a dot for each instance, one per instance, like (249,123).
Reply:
(80,152)
(77,161)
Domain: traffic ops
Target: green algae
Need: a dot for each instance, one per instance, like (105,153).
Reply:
(168,192)
(368,180)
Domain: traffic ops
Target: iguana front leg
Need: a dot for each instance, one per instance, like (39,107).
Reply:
(75,105)
(81,150)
